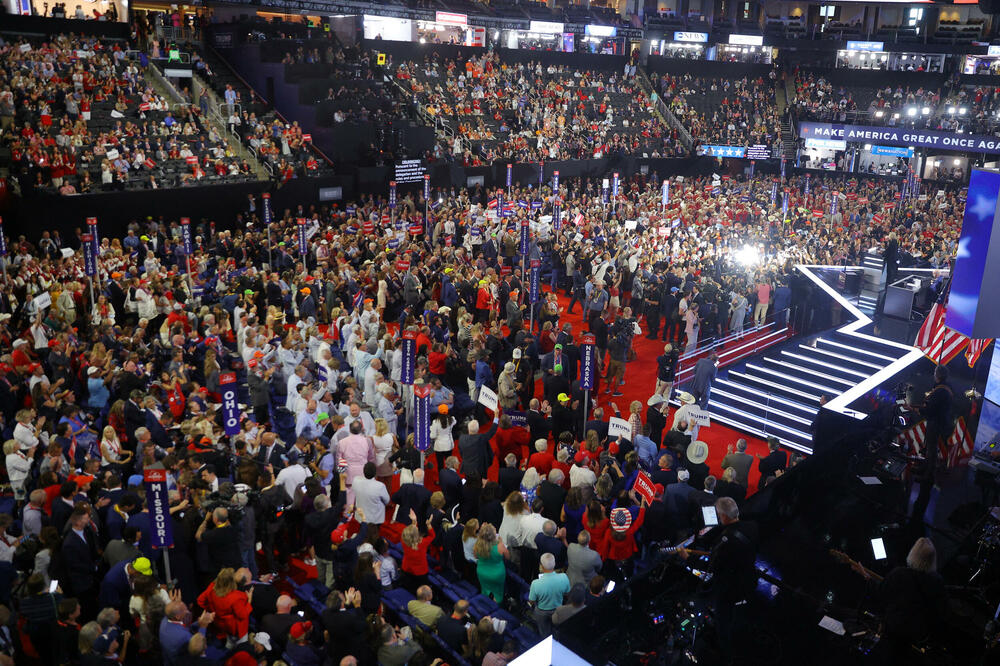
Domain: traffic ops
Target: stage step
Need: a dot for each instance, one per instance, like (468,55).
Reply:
(823,365)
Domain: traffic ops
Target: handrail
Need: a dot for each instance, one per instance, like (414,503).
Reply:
(312,146)
(665,111)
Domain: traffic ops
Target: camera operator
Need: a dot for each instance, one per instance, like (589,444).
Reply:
(221,539)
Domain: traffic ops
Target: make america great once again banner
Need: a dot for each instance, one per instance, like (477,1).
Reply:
(901,136)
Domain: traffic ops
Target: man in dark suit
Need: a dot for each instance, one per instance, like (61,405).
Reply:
(677,497)
(702,497)
(509,476)
(739,460)
(80,560)
(598,425)
(412,497)
(552,494)
(344,625)
(538,423)
(665,473)
(656,417)
(450,482)
(475,448)
(552,540)
(769,465)
(271,451)
(135,417)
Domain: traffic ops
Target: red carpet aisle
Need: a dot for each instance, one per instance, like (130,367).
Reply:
(640,381)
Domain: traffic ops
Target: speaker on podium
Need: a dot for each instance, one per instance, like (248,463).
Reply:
(973,309)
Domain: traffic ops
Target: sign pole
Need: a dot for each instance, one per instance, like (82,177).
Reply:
(427,203)
(510,170)
(186,237)
(267,227)
(588,370)
(3,253)
(158,501)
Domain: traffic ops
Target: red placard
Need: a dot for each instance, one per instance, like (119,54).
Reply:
(402,265)
(817,213)
(154,475)
(644,486)
(369,227)
(505,270)
(307,137)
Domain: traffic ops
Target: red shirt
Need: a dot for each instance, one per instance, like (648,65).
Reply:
(542,462)
(437,363)
(415,559)
(232,612)
(620,549)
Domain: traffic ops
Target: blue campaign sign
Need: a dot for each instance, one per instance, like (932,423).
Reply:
(535,281)
(427,187)
(833,202)
(392,194)
(807,183)
(267,208)
(517,418)
(782,168)
(422,417)
(303,239)
(158,501)
(541,173)
(92,230)
(3,243)
(409,357)
(556,217)
(524,237)
(588,362)
(230,405)
(185,235)
(614,185)
(510,174)
(774,192)
(665,193)
(89,263)
(555,181)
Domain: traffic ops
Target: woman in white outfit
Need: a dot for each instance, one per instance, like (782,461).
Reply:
(441,435)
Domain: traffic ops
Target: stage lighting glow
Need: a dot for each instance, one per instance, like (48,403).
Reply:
(748,255)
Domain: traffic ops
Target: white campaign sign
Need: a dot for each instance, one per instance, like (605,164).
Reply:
(488,398)
(700,417)
(43,300)
(619,427)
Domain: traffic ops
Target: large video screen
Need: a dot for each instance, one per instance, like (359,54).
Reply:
(966,314)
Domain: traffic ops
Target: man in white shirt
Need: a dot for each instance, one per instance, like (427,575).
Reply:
(367,422)
(305,423)
(372,376)
(370,496)
(532,524)
(292,477)
(293,387)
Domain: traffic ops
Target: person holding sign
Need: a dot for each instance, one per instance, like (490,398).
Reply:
(475,448)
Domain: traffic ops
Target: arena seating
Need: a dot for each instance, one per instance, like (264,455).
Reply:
(514,110)
(721,111)
(114,132)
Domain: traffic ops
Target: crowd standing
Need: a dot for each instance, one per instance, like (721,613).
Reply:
(532,505)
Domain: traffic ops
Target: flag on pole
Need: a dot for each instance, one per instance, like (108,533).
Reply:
(975,350)
(938,342)
(956,450)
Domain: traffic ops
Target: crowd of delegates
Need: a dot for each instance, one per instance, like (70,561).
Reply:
(80,116)
(818,99)
(725,112)
(92,394)
(529,112)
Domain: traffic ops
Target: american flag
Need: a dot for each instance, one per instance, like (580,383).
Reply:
(975,349)
(938,342)
(955,451)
